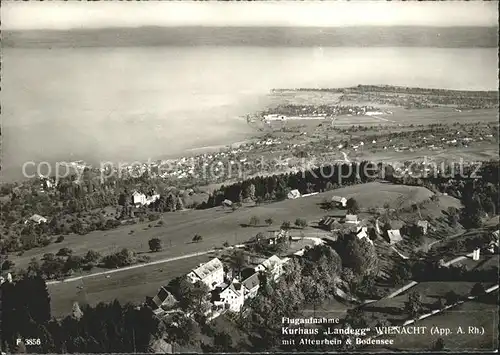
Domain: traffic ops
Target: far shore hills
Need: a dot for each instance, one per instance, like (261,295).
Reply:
(366,36)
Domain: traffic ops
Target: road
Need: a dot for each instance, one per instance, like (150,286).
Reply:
(316,241)
(192,255)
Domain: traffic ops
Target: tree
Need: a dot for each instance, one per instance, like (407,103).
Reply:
(250,192)
(193,297)
(414,305)
(7,265)
(269,221)
(238,261)
(197,238)
(91,256)
(470,215)
(254,221)
(360,256)
(285,225)
(300,222)
(73,263)
(155,244)
(64,252)
(477,289)
(451,297)
(223,342)
(76,311)
(352,206)
(438,345)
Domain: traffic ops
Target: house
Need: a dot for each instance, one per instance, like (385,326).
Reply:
(363,234)
(227,203)
(138,198)
(152,197)
(278,236)
(339,201)
(394,236)
(36,218)
(163,299)
(210,273)
(424,225)
(230,296)
(333,220)
(293,194)
(476,254)
(274,265)
(251,286)
(351,218)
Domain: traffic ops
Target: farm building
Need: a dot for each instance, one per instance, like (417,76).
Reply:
(163,299)
(227,203)
(424,225)
(362,234)
(36,218)
(333,220)
(394,236)
(274,265)
(138,198)
(339,201)
(293,194)
(351,218)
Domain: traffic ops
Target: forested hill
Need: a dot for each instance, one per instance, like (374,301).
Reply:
(447,37)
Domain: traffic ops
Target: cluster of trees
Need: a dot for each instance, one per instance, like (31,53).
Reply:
(276,187)
(357,254)
(64,263)
(309,280)
(106,328)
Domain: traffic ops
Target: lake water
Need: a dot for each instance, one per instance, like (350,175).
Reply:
(125,104)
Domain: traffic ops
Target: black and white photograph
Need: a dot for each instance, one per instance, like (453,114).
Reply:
(249,177)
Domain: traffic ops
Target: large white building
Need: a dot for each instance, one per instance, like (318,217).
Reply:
(231,296)
(210,273)
(140,199)
(36,218)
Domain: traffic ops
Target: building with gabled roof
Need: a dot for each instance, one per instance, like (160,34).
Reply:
(339,201)
(230,296)
(424,225)
(363,234)
(36,218)
(163,299)
(274,265)
(351,218)
(394,236)
(251,286)
(210,273)
(293,194)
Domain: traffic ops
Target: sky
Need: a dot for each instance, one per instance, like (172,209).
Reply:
(68,15)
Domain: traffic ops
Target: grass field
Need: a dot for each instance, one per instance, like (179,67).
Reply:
(127,286)
(392,309)
(477,313)
(218,225)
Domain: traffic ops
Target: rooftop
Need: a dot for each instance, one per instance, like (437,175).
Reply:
(208,268)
